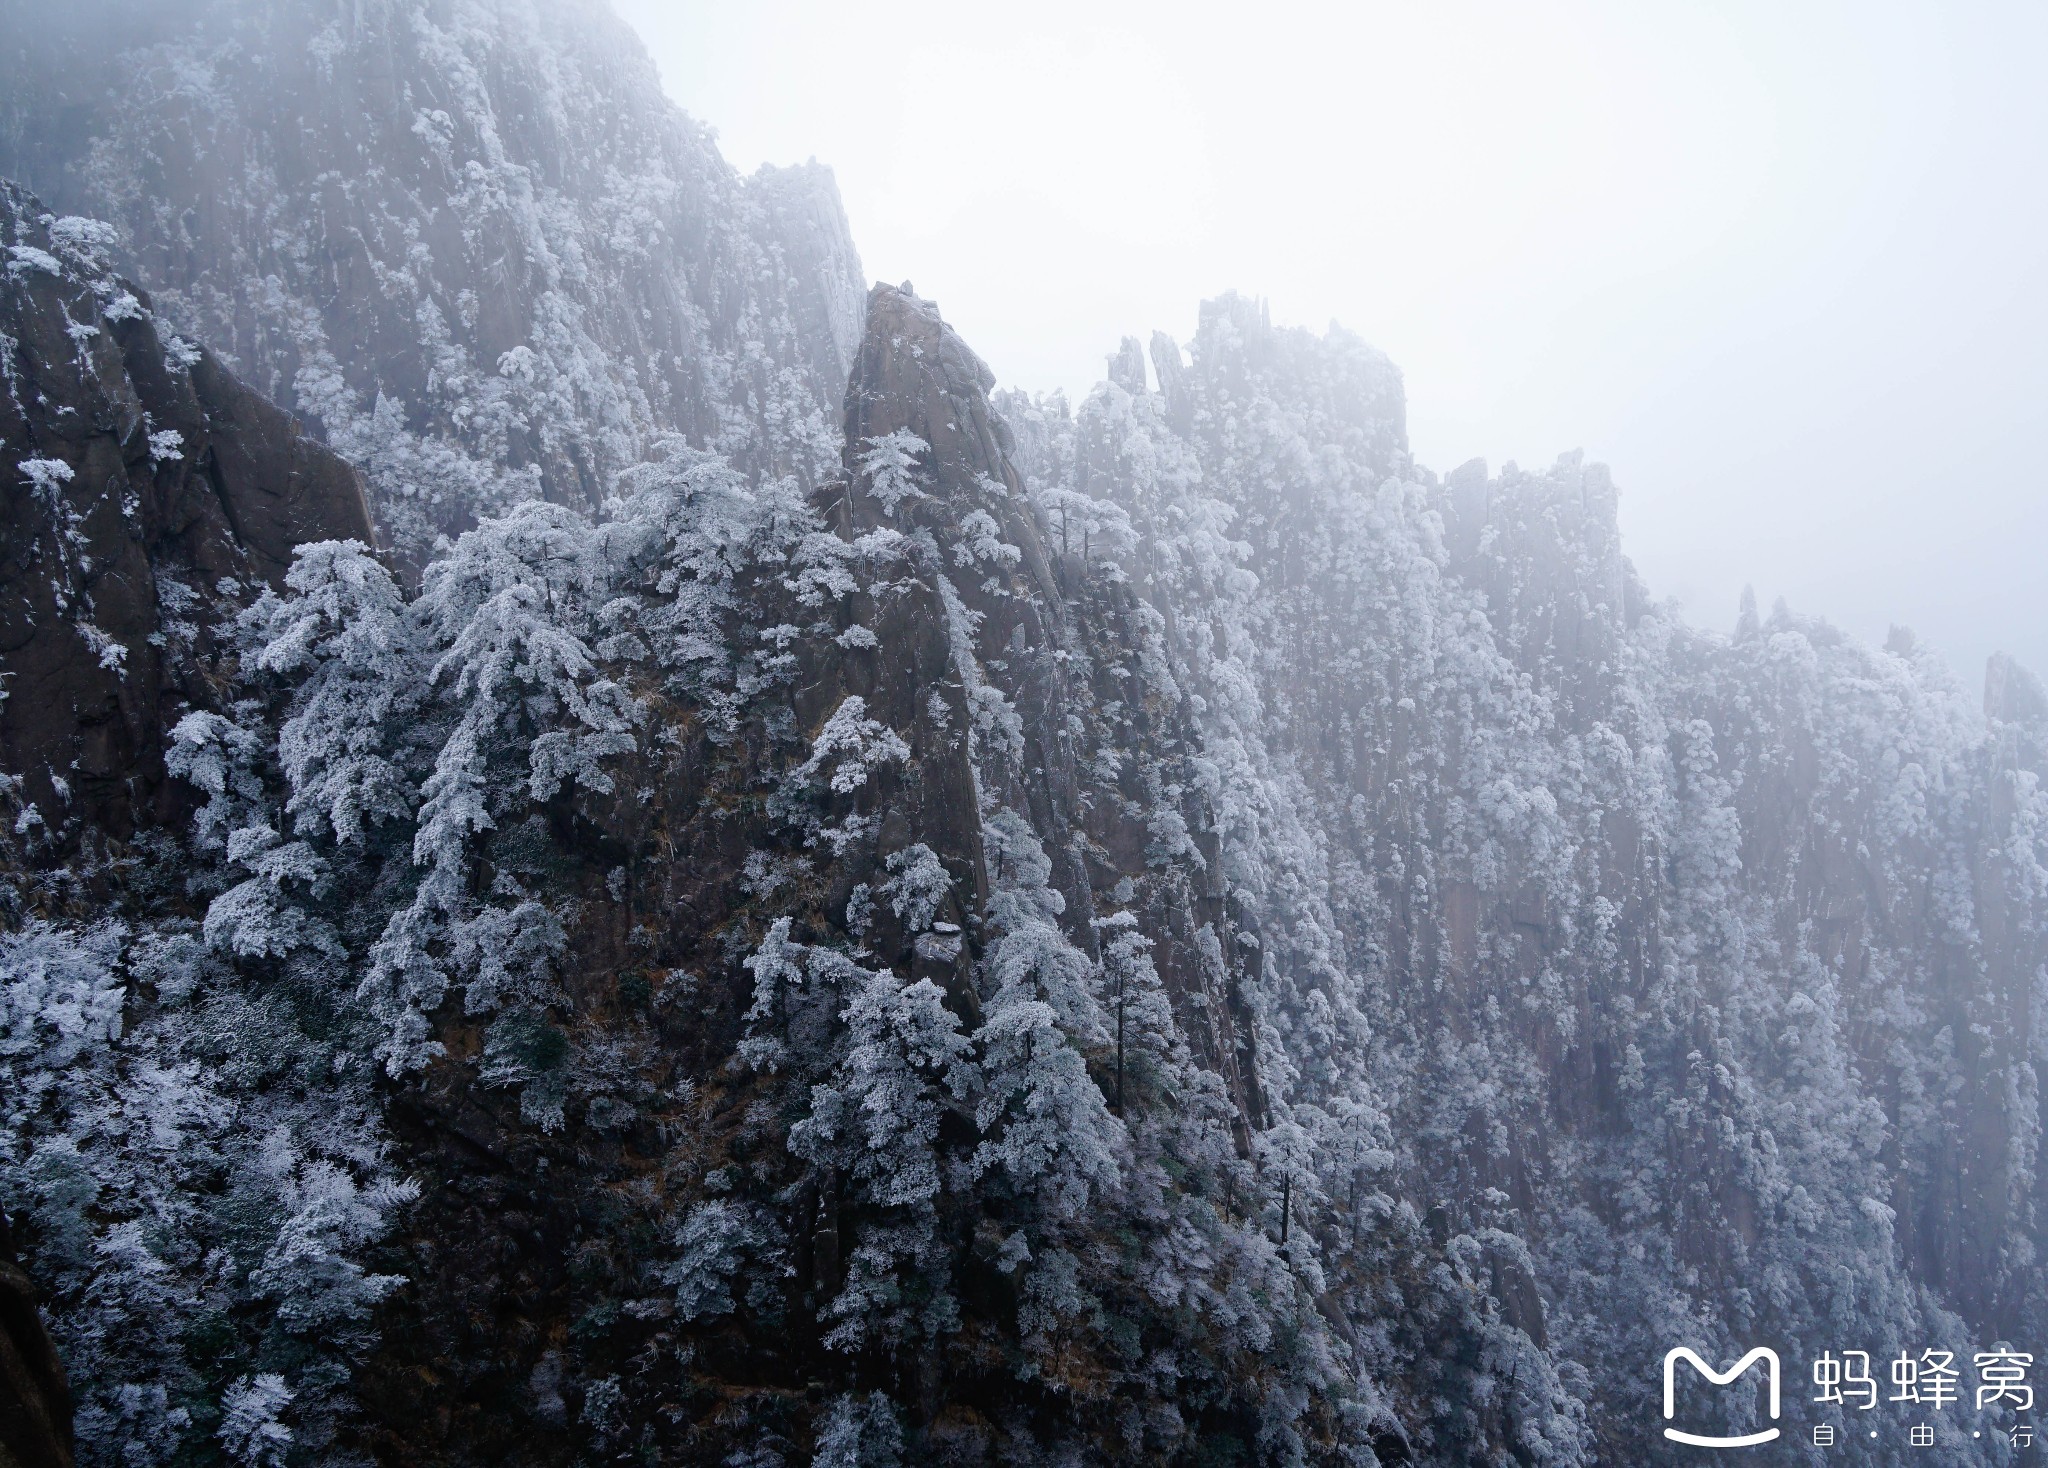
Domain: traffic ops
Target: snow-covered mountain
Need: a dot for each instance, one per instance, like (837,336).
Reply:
(472,242)
(799,911)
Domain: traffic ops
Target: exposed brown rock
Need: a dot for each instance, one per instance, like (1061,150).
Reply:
(149,494)
(35,1403)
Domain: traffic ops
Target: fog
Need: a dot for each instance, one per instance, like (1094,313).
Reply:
(1778,267)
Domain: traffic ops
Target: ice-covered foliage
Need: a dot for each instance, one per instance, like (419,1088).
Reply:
(851,747)
(860,1432)
(889,468)
(252,1425)
(370,845)
(1499,822)
(419,736)
(918,886)
(713,1245)
(876,1123)
(1159,931)
(201,1165)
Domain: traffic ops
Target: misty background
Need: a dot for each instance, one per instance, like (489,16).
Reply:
(1778,266)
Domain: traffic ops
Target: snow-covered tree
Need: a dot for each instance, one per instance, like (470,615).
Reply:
(889,467)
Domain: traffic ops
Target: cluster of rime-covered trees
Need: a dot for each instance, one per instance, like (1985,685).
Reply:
(192,1130)
(1119,933)
(1698,975)
(1558,1036)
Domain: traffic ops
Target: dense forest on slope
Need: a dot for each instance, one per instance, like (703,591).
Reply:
(644,869)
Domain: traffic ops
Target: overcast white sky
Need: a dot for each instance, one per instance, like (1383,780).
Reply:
(1784,266)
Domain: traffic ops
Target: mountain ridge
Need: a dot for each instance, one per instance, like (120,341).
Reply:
(930,924)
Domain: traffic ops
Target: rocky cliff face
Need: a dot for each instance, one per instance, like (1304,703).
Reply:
(151,1105)
(35,1404)
(150,496)
(471,243)
(892,992)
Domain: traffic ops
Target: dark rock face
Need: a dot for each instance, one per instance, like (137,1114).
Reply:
(35,1404)
(148,494)
(473,245)
(150,497)
(1066,647)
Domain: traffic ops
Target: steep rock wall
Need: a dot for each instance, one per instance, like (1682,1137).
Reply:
(656,1248)
(149,494)
(35,1403)
(166,1127)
